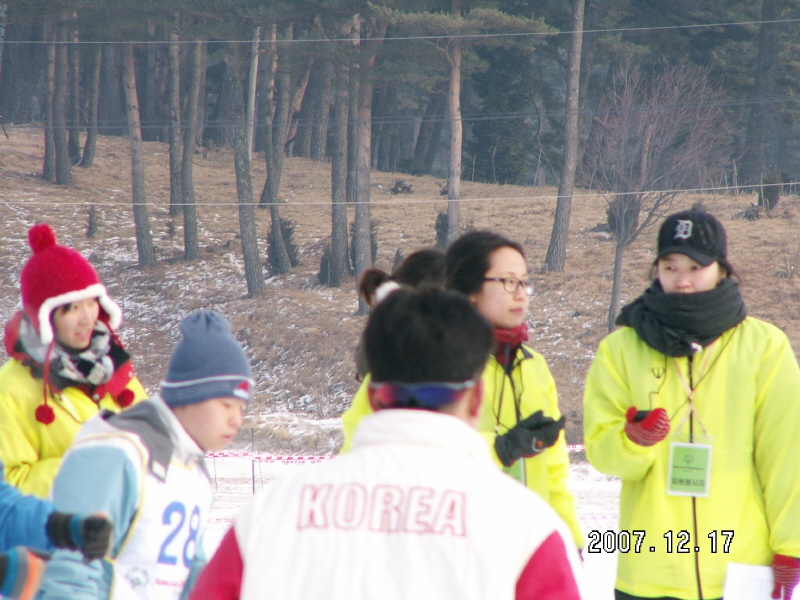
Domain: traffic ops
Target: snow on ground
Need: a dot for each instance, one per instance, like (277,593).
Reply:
(237,477)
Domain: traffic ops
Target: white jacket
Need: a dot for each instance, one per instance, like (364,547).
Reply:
(416,510)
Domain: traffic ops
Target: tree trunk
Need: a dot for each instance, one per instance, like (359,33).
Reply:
(454,173)
(3,14)
(266,87)
(49,167)
(111,104)
(361,239)
(90,147)
(430,130)
(202,107)
(144,241)
(74,140)
(337,268)
(352,111)
(253,272)
(396,127)
(252,81)
(557,250)
(174,97)
(322,112)
(352,137)
(304,123)
(218,131)
(191,244)
(362,242)
(23,69)
(436,136)
(150,106)
(60,137)
(296,104)
(752,161)
(619,253)
(274,153)
(382,130)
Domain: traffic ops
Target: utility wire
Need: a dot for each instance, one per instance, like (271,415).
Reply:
(433,37)
(717,190)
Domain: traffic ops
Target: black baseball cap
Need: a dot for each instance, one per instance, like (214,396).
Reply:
(695,233)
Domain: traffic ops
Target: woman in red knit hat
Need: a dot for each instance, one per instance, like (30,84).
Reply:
(66,362)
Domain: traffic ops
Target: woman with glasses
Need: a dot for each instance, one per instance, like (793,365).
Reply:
(520,420)
(520,417)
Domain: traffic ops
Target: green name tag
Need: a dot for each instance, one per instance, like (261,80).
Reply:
(689,469)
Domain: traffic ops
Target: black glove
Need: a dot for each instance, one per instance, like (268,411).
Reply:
(91,534)
(21,573)
(528,438)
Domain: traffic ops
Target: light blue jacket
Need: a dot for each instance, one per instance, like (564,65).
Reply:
(104,478)
(23,519)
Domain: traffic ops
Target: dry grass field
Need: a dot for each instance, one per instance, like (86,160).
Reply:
(301,335)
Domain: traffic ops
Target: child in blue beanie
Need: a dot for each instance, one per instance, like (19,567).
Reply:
(144,467)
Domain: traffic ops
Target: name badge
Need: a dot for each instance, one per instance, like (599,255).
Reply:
(689,469)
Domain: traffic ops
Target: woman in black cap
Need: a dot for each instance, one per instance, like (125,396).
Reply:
(695,406)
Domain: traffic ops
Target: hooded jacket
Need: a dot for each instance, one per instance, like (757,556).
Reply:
(31,451)
(747,408)
(530,385)
(145,472)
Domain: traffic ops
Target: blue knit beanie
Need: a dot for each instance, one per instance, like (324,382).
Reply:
(207,363)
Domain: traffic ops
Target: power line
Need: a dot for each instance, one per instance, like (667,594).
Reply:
(718,190)
(432,37)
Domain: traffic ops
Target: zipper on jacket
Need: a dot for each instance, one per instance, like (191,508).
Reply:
(690,361)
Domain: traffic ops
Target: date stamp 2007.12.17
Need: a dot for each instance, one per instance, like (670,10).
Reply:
(679,542)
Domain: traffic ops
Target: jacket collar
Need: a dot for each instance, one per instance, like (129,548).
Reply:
(422,428)
(185,449)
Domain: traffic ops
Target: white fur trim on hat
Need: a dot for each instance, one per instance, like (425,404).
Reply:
(384,289)
(96,290)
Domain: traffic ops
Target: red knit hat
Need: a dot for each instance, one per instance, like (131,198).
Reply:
(56,275)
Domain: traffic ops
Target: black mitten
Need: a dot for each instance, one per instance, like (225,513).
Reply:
(528,438)
(91,534)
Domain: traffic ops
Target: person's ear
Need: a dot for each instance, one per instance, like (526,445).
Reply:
(373,401)
(476,398)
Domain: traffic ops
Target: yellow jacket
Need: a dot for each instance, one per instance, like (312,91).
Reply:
(30,450)
(532,383)
(747,407)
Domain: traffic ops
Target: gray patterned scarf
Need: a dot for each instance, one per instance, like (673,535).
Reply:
(92,366)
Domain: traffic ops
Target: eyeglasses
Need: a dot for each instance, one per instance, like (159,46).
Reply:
(512,284)
(427,395)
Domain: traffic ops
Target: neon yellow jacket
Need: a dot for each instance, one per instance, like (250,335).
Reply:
(30,450)
(747,406)
(547,473)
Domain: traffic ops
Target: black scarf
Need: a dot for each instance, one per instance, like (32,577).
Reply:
(672,323)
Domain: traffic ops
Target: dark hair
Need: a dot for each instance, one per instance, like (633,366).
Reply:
(422,268)
(425,336)
(468,259)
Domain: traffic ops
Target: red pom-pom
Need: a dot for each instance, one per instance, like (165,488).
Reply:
(125,398)
(45,414)
(41,237)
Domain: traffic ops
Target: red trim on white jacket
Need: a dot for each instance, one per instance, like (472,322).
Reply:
(221,579)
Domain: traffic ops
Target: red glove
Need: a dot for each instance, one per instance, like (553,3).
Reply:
(647,429)
(786,572)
